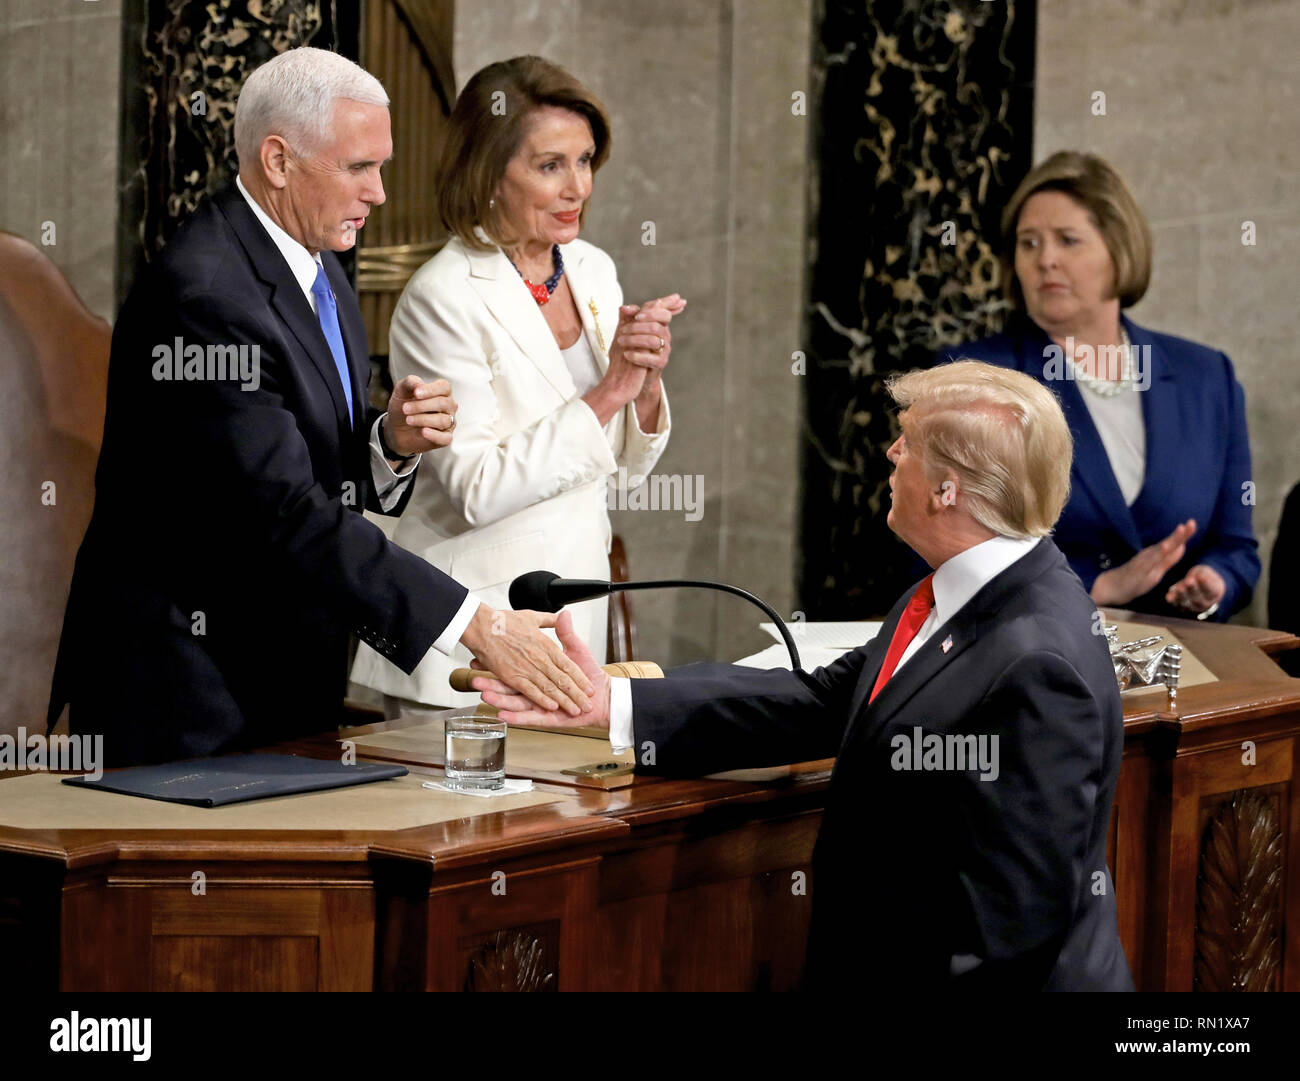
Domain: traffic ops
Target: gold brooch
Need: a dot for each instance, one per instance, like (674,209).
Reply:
(595,321)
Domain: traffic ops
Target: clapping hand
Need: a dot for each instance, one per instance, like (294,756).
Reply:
(637,357)
(421,416)
(1143,572)
(1201,588)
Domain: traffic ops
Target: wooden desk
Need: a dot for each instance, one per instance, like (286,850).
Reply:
(662,885)
(1207,821)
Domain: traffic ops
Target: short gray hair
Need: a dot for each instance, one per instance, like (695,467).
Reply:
(292,95)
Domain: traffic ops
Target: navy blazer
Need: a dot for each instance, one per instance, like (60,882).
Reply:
(939,879)
(1198,464)
(226,560)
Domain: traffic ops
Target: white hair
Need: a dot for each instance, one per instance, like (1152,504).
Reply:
(292,95)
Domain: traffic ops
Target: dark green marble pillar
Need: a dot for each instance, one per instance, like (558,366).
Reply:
(183,63)
(924,129)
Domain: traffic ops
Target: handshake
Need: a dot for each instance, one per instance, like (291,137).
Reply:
(527,678)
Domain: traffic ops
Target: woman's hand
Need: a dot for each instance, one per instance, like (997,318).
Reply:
(655,319)
(637,357)
(516,709)
(1144,571)
(1201,588)
(421,416)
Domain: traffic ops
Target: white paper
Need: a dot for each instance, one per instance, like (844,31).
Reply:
(512,787)
(841,636)
(779,657)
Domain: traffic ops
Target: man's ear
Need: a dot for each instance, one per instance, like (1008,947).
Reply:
(274,156)
(947,492)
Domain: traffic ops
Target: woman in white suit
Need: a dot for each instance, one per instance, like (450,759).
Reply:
(558,383)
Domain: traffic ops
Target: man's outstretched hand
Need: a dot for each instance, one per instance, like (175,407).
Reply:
(516,708)
(512,645)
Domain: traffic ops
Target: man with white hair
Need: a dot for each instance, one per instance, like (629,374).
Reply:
(227,559)
(977,737)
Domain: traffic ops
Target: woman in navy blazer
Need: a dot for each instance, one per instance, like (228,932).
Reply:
(1159,515)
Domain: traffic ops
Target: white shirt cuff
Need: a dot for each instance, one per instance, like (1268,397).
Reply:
(660,433)
(388,482)
(620,714)
(446,641)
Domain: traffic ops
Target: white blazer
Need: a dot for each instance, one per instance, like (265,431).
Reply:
(523,484)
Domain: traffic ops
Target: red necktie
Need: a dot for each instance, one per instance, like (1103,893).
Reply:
(916,613)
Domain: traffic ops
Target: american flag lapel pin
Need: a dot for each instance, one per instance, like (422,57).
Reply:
(947,644)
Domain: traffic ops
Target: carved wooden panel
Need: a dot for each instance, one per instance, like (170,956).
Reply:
(1239,895)
(514,960)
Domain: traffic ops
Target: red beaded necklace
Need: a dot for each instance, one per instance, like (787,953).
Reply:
(542,293)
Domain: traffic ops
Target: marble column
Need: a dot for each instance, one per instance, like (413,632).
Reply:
(924,125)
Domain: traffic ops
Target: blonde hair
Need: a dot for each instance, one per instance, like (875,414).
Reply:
(1000,433)
(486,129)
(1092,183)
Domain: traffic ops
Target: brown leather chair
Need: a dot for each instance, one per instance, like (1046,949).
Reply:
(620,641)
(54,356)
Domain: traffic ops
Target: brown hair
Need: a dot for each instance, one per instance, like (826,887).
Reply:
(487,128)
(1001,433)
(1100,190)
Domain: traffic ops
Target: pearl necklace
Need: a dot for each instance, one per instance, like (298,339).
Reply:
(1108,388)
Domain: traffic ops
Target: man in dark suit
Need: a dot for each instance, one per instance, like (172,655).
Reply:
(977,738)
(227,559)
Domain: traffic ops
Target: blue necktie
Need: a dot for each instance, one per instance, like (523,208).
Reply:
(328,314)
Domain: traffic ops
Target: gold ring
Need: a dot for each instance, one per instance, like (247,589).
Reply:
(662,343)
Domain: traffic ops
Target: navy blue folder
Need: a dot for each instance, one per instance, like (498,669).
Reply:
(236,778)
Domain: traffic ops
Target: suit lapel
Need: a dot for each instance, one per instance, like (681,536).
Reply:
(293,308)
(1161,415)
(498,284)
(286,296)
(1091,469)
(354,334)
(871,670)
(927,662)
(963,627)
(599,336)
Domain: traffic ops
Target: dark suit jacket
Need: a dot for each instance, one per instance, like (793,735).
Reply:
(915,868)
(1284,578)
(1198,465)
(227,560)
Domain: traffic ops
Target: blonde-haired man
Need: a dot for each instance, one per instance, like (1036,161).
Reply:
(977,737)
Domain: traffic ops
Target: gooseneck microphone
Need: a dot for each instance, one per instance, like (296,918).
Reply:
(544,591)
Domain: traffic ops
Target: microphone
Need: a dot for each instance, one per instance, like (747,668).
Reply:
(544,591)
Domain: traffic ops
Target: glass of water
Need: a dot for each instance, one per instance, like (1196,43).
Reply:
(475,749)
